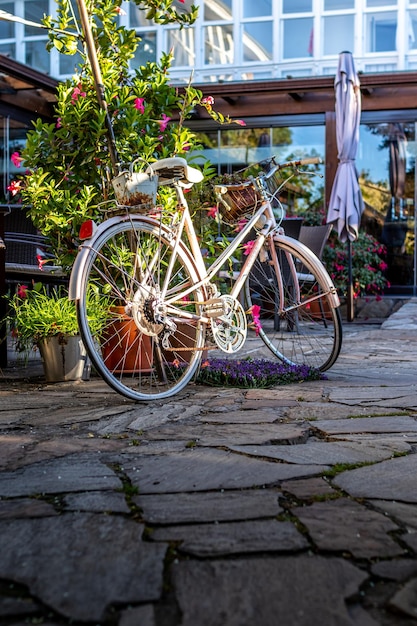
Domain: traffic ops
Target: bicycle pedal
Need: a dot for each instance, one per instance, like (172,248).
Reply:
(214,307)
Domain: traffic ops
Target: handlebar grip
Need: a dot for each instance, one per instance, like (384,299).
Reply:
(301,162)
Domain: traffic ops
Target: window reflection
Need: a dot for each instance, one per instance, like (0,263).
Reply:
(34,12)
(217,10)
(257,41)
(381,30)
(386,165)
(297,6)
(182,44)
(218,44)
(338,33)
(257,8)
(298,38)
(7,28)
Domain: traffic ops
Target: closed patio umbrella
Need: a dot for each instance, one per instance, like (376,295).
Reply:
(346,202)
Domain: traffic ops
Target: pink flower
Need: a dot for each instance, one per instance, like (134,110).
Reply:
(138,104)
(21,291)
(182,1)
(77,93)
(247,247)
(164,122)
(58,123)
(240,122)
(16,159)
(383,266)
(208,101)
(255,310)
(241,224)
(212,212)
(14,187)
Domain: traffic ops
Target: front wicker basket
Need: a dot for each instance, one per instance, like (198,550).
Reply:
(237,201)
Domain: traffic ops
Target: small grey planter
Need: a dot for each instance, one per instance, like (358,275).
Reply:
(64,358)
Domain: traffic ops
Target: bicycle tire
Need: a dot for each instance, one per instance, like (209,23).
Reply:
(132,266)
(297,322)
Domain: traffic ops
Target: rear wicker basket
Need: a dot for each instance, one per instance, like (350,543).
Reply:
(237,201)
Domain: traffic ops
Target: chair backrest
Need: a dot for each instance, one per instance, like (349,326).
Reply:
(315,237)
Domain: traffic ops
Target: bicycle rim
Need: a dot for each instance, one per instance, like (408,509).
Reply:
(298,325)
(147,345)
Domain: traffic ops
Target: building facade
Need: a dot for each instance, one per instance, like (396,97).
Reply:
(272,63)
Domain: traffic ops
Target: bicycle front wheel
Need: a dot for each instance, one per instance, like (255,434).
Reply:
(149,340)
(297,322)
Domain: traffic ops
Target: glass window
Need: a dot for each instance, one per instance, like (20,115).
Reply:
(137,17)
(34,11)
(257,41)
(181,42)
(380,3)
(411,29)
(257,9)
(146,50)
(296,6)
(37,56)
(298,38)
(218,45)
(8,49)
(386,166)
(381,29)
(217,10)
(335,5)
(68,64)
(7,28)
(338,34)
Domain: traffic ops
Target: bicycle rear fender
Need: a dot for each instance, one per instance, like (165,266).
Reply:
(74,290)
(295,246)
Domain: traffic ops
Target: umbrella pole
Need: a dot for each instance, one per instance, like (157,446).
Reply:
(349,300)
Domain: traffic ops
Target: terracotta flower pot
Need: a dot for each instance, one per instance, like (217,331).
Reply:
(125,348)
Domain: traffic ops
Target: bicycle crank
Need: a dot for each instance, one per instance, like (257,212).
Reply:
(230,328)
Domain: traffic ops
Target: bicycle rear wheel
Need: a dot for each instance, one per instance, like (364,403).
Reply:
(298,324)
(149,345)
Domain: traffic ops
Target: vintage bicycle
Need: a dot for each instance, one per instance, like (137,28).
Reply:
(165,309)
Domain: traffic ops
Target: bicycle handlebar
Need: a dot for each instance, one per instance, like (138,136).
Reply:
(281,166)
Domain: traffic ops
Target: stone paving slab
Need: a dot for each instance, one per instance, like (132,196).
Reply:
(389,480)
(329,453)
(262,591)
(48,555)
(204,470)
(205,507)
(343,525)
(378,424)
(220,434)
(76,472)
(207,540)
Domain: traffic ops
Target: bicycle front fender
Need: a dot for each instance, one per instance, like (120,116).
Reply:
(74,289)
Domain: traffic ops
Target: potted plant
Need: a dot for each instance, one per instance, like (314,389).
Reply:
(48,321)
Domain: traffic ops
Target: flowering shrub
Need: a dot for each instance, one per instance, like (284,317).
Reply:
(368,264)
(69,160)
(253,373)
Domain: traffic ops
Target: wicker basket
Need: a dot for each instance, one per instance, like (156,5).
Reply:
(136,190)
(237,201)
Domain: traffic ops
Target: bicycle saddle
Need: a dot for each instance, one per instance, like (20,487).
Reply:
(175,168)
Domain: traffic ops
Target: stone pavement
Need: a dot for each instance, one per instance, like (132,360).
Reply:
(293,506)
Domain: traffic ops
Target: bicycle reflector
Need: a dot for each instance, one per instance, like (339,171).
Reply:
(87,230)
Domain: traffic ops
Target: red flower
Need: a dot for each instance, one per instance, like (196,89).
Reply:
(21,291)
(212,212)
(120,11)
(14,187)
